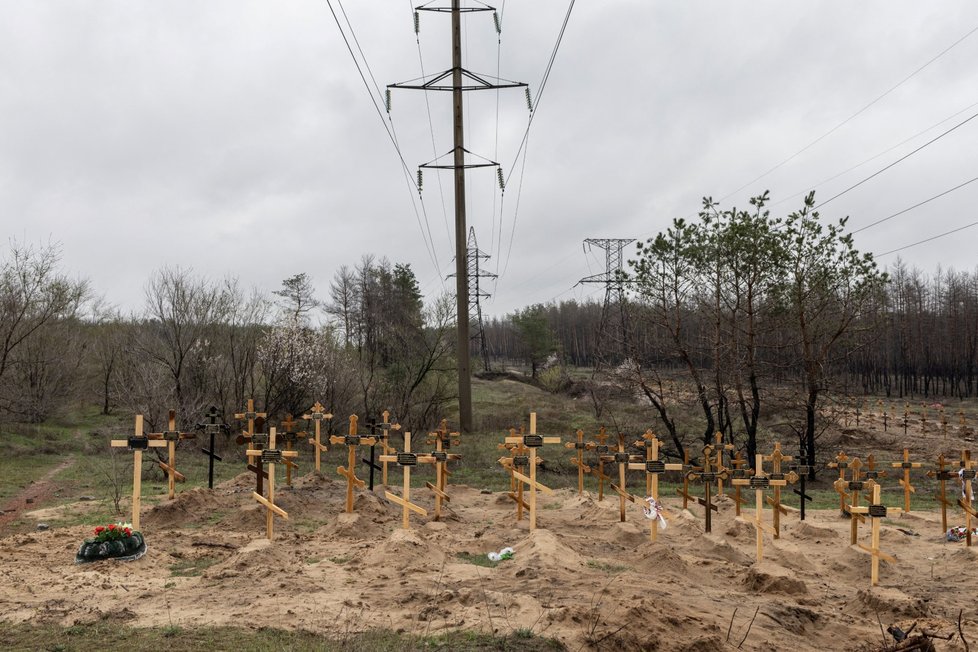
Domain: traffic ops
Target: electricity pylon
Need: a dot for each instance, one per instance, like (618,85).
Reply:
(462,80)
(614,290)
(476,293)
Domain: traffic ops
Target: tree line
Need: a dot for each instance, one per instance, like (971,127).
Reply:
(372,345)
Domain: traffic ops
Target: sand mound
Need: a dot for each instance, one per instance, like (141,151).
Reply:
(197,505)
(768,578)
(541,549)
(741,530)
(721,550)
(891,601)
(629,534)
(809,532)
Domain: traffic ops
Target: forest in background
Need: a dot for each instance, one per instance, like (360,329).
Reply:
(734,322)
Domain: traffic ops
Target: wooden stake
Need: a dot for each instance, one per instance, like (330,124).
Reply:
(532,441)
(759,482)
(622,459)
(601,449)
(406,460)
(137,444)
(250,416)
(841,463)
(443,440)
(777,509)
(908,489)
(942,477)
(171,436)
(271,456)
(578,460)
(877,512)
(351,441)
(317,414)
(708,475)
(290,435)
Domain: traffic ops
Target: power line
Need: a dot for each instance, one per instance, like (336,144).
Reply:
(429,242)
(899,160)
(874,157)
(853,116)
(920,242)
(917,205)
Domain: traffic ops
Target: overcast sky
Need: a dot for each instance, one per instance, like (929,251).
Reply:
(237,138)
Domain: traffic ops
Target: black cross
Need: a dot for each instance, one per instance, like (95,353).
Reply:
(373,427)
(801,468)
(214,423)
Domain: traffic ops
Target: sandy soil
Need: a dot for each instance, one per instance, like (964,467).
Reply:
(582,577)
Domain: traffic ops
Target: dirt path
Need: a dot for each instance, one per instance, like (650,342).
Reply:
(33,494)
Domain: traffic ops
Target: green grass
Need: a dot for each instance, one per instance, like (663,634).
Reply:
(478,560)
(192,567)
(108,636)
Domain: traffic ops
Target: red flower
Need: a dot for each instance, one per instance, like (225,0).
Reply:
(99,529)
(128,532)
(111,526)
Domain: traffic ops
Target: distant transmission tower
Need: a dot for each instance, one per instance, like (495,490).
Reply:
(614,291)
(473,257)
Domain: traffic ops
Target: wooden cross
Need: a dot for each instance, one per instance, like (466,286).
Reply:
(533,441)
(776,458)
(739,473)
(250,415)
(687,469)
(171,436)
(852,489)
(872,473)
(351,441)
(759,482)
(211,427)
(877,512)
(800,469)
(942,476)
(443,440)
(578,460)
(270,456)
(841,463)
(518,460)
(291,436)
(386,449)
(622,459)
(720,447)
(967,474)
(257,441)
(601,449)
(137,444)
(317,414)
(908,489)
(405,460)
(708,475)
(886,417)
(653,467)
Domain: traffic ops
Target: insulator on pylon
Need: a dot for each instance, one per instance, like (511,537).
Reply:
(417,23)
(502,181)
(529,100)
(387,99)
(495,19)
(420,181)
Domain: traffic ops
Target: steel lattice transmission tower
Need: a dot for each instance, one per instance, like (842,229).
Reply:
(614,290)
(462,80)
(477,293)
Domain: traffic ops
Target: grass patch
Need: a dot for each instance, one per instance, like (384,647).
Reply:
(606,567)
(111,637)
(192,567)
(339,561)
(478,560)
